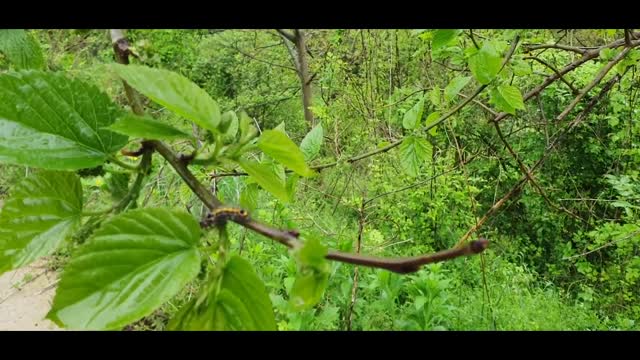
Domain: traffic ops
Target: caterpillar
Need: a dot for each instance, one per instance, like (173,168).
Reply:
(220,216)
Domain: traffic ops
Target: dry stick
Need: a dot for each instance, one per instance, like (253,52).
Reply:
(518,187)
(573,89)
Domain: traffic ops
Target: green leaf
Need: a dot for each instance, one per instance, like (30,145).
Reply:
(21,49)
(118,184)
(173,91)
(145,127)
(281,128)
(419,302)
(413,152)
(313,275)
(455,86)
(312,142)
(50,121)
(41,212)
(266,178)
(496,98)
(246,126)
(129,267)
(241,303)
(291,183)
(230,128)
(512,95)
(521,67)
(485,64)
(278,145)
(312,253)
(241,280)
(308,289)
(429,122)
(443,37)
(249,197)
(434,96)
(412,117)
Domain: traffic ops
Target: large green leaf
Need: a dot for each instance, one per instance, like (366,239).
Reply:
(40,213)
(312,142)
(413,152)
(485,63)
(265,176)
(414,115)
(129,267)
(50,121)
(22,49)
(146,128)
(455,85)
(278,145)
(443,37)
(497,98)
(512,95)
(234,300)
(240,279)
(173,91)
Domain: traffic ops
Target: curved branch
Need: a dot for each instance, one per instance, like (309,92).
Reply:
(573,89)
(290,239)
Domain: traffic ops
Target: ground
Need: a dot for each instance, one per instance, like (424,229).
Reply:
(25,298)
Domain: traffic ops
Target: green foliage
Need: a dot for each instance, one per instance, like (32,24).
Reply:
(485,63)
(175,92)
(312,143)
(278,145)
(129,267)
(414,151)
(146,128)
(22,49)
(40,214)
(214,93)
(67,135)
(234,300)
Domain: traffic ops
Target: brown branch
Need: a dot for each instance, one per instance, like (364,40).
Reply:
(290,239)
(122,51)
(181,168)
(627,37)
(595,82)
(556,139)
(589,55)
(573,89)
(287,35)
(532,47)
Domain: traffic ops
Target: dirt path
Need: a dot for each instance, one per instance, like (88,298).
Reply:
(25,298)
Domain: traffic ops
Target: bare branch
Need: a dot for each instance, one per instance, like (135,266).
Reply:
(287,35)
(573,89)
(122,52)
